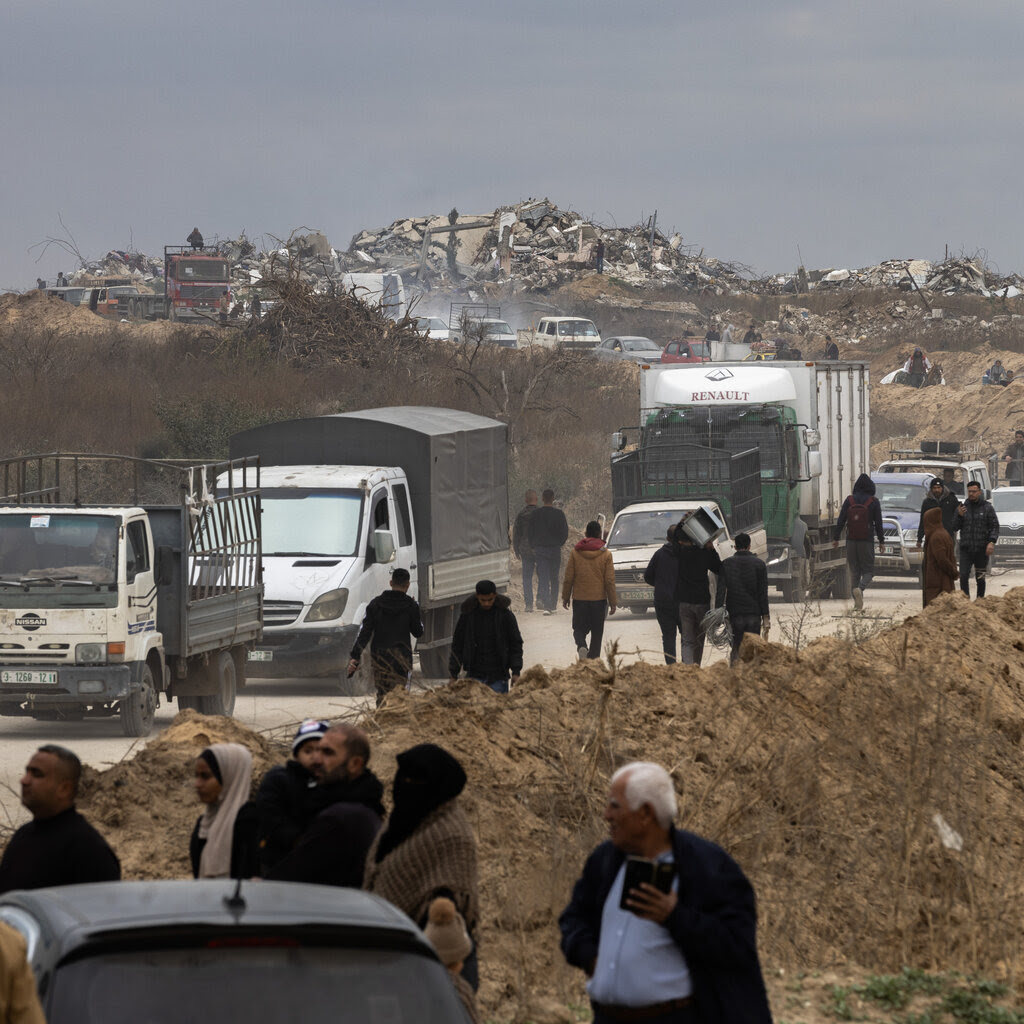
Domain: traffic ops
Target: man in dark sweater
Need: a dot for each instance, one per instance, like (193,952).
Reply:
(58,847)
(940,497)
(693,592)
(548,530)
(332,850)
(487,642)
(391,619)
(743,589)
(523,549)
(662,573)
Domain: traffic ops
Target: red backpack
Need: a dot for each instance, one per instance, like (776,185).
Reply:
(858,520)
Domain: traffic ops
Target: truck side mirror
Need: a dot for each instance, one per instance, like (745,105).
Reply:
(164,565)
(383,546)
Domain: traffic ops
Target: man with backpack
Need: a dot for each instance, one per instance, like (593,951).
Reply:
(860,513)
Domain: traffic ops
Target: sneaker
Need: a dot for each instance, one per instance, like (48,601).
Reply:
(858,599)
(549,611)
(583,653)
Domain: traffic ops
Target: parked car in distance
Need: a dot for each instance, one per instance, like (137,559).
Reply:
(686,350)
(631,348)
(570,332)
(220,950)
(432,327)
(487,330)
(1009,505)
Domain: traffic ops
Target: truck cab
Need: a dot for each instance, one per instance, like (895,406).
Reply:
(332,535)
(570,332)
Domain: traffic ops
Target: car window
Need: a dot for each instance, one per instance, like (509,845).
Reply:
(266,983)
(550,328)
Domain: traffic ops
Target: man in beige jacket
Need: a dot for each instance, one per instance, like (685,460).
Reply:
(590,582)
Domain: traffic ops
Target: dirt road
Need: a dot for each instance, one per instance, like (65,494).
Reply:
(272,704)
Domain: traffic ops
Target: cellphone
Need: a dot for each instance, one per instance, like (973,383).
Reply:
(640,869)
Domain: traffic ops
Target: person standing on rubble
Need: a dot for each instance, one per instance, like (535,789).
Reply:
(996,374)
(979,531)
(547,531)
(861,513)
(831,352)
(195,239)
(600,256)
(1014,459)
(917,367)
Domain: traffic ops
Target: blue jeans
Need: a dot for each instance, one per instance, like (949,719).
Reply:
(497,684)
(549,561)
(529,568)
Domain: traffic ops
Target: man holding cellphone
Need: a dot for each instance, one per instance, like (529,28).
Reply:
(687,955)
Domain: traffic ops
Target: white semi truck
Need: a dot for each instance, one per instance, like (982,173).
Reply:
(349,498)
(104,606)
(776,445)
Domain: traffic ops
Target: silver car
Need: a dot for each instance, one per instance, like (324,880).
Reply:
(631,348)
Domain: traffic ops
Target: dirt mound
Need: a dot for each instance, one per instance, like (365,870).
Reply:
(37,310)
(871,790)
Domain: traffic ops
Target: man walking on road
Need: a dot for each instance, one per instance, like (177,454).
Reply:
(940,497)
(590,583)
(391,619)
(662,573)
(979,531)
(58,846)
(523,549)
(693,592)
(743,589)
(487,642)
(861,513)
(548,530)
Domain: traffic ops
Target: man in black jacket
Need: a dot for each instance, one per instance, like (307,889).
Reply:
(662,573)
(523,549)
(979,531)
(391,619)
(548,530)
(685,956)
(939,496)
(58,846)
(487,642)
(693,593)
(288,798)
(743,589)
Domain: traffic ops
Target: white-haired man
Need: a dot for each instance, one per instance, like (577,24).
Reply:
(678,957)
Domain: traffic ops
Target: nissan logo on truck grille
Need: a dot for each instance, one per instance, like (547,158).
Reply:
(30,621)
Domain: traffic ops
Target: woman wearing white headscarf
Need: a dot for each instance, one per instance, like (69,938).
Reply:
(223,843)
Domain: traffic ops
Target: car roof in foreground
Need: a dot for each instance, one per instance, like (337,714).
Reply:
(77,914)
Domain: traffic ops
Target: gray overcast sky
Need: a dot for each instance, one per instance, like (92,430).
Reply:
(858,131)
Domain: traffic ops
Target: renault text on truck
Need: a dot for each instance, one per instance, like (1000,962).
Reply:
(105,605)
(779,444)
(351,497)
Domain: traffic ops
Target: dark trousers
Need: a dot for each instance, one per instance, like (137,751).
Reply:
(390,669)
(685,1015)
(742,624)
(690,618)
(668,620)
(549,561)
(977,560)
(588,617)
(860,557)
(529,568)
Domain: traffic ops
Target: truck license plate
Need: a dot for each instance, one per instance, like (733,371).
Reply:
(637,595)
(261,656)
(17,678)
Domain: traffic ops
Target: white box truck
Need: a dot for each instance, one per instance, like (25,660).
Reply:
(350,497)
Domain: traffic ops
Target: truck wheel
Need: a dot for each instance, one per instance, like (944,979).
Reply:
(223,701)
(139,708)
(188,702)
(434,662)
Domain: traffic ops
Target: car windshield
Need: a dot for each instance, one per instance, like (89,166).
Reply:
(642,528)
(908,496)
(299,521)
(1008,501)
(639,345)
(47,548)
(498,327)
(582,328)
(431,323)
(272,984)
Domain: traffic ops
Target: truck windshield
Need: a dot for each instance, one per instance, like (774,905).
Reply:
(498,327)
(200,270)
(579,328)
(44,549)
(1008,501)
(642,529)
(310,521)
(259,980)
(908,496)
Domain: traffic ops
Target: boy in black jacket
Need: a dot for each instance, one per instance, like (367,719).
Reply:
(391,619)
